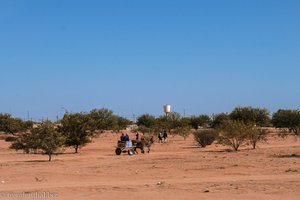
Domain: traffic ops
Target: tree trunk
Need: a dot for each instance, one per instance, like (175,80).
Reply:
(76,149)
(254,145)
(236,147)
(49,157)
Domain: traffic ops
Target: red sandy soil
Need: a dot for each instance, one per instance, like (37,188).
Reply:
(176,170)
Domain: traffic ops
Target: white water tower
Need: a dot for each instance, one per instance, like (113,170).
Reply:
(167,109)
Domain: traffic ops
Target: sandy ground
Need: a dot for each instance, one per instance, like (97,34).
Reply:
(176,170)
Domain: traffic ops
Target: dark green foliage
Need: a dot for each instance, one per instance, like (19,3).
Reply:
(248,115)
(185,121)
(205,137)
(120,123)
(174,120)
(12,125)
(102,119)
(233,133)
(201,120)
(287,119)
(146,120)
(28,142)
(76,127)
(219,119)
(145,130)
(162,123)
(173,123)
(44,138)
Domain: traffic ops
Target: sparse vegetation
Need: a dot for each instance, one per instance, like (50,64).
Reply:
(183,131)
(241,126)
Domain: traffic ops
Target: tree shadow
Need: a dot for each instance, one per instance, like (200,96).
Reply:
(35,161)
(286,155)
(65,153)
(221,151)
(191,147)
(210,150)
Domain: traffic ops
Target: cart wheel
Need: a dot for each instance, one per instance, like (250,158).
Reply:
(130,152)
(118,151)
(143,151)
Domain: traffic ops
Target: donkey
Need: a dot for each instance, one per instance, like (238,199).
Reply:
(144,142)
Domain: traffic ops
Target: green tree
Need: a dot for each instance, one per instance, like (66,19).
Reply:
(45,138)
(146,120)
(120,123)
(174,119)
(218,119)
(200,120)
(255,135)
(233,133)
(172,123)
(145,130)
(76,128)
(101,119)
(250,115)
(287,119)
(185,121)
(12,125)
(162,123)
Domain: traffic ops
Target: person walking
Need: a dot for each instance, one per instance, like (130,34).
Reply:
(160,137)
(165,136)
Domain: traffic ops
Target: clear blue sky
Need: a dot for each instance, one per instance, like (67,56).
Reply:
(134,56)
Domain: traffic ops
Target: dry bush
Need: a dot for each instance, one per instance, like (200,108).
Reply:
(205,137)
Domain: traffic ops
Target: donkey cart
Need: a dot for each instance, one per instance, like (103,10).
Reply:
(125,147)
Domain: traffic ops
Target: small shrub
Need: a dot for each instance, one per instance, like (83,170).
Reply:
(292,170)
(204,137)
